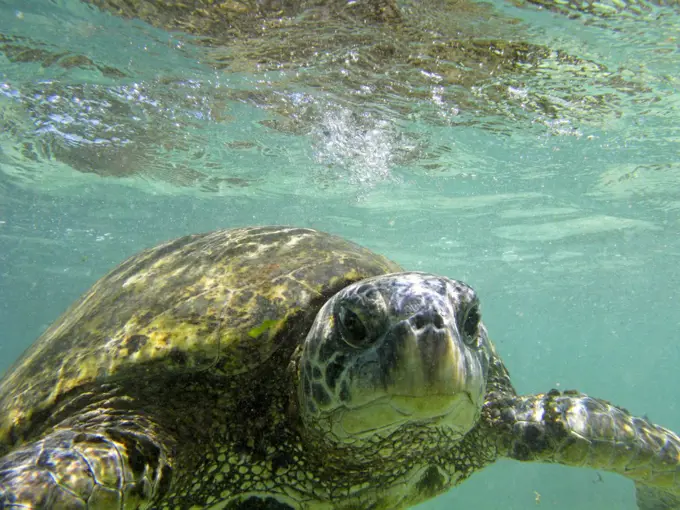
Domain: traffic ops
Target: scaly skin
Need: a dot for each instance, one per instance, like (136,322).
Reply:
(103,459)
(576,430)
(77,470)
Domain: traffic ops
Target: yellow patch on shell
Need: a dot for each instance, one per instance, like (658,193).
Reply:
(266,326)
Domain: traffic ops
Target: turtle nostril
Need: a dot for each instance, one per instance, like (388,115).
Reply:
(438,321)
(425,319)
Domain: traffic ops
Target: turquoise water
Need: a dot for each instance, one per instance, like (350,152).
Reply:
(550,183)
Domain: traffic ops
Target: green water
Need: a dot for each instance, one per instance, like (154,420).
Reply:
(552,187)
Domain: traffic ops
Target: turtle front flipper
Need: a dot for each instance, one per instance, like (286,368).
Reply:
(113,467)
(649,498)
(576,430)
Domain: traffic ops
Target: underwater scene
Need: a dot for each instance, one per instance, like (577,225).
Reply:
(528,148)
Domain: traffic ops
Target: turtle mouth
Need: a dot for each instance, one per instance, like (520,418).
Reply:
(456,413)
(425,407)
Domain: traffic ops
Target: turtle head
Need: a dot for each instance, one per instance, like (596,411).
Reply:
(394,351)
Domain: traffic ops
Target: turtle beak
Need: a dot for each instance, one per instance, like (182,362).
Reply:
(432,360)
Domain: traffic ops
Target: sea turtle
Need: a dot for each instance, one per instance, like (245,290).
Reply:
(284,368)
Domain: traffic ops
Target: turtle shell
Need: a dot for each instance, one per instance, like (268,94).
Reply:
(222,301)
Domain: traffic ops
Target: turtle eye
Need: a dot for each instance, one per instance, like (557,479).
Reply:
(352,328)
(471,325)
